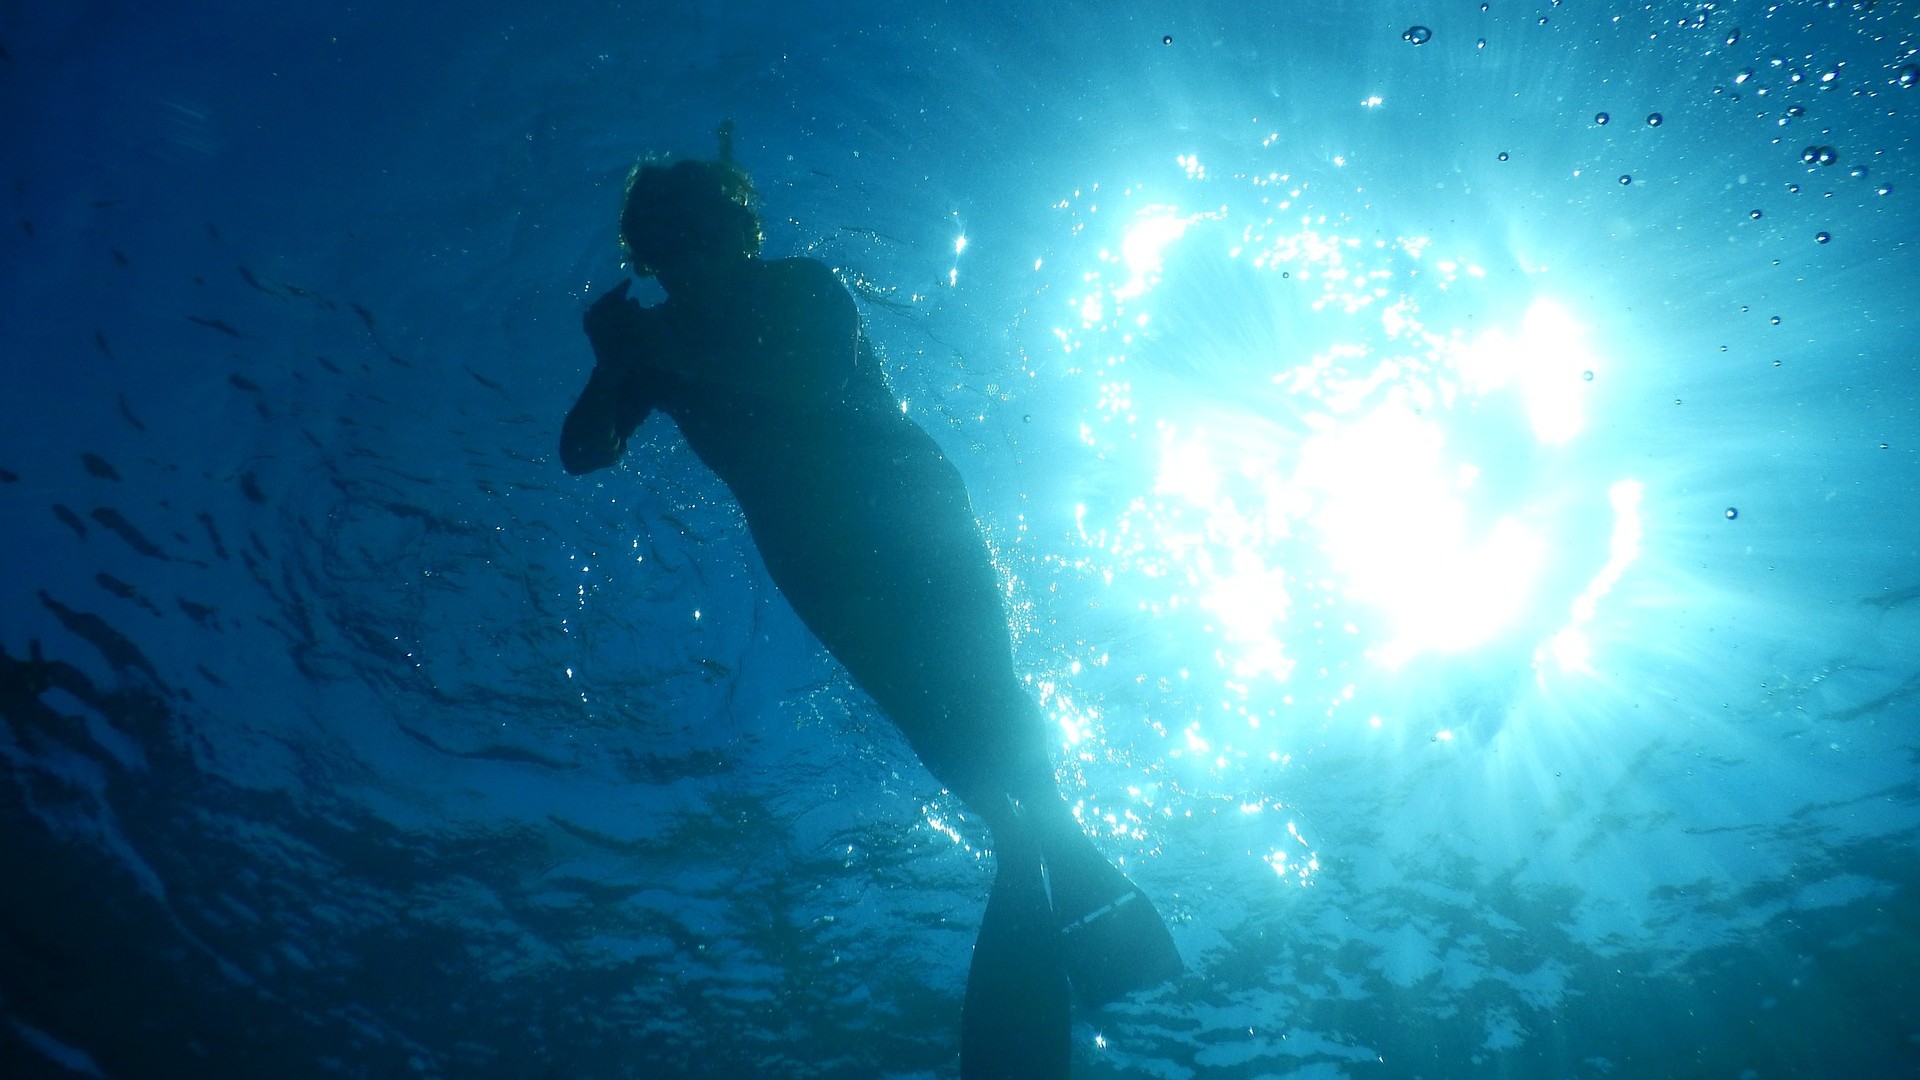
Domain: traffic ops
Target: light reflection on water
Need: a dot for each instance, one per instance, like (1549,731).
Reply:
(1338,453)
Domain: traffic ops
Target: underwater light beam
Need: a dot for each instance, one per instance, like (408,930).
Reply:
(1404,496)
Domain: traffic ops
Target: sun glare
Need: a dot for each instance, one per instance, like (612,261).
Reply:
(1332,477)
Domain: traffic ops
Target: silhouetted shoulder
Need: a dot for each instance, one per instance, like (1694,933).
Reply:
(806,273)
(812,286)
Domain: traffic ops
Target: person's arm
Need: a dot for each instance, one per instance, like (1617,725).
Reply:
(621,391)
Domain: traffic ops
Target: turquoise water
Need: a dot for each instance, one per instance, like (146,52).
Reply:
(1478,596)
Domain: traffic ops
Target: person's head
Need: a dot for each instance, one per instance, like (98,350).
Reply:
(682,217)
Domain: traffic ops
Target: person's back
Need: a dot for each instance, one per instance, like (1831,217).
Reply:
(811,440)
(865,527)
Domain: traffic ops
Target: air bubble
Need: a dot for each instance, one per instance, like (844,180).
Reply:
(1822,237)
(1503,155)
(1858,172)
(1587,375)
(1419,35)
(1793,189)
(1795,110)
(1733,512)
(1733,35)
(1755,214)
(1908,75)
(1826,155)
(1601,119)
(1740,79)
(1775,320)
(1167,40)
(1480,44)
(1883,189)
(1655,119)
(1625,179)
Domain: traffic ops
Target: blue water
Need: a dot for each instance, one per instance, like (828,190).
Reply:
(1479,597)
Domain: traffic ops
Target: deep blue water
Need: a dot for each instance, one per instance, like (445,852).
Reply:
(1470,549)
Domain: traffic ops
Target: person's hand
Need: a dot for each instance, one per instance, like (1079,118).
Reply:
(617,326)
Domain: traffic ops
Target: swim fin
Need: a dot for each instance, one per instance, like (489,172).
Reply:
(1112,941)
(1017,1020)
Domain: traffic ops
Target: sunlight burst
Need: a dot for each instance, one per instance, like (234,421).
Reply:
(1332,470)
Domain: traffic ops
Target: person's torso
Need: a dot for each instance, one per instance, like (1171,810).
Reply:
(800,422)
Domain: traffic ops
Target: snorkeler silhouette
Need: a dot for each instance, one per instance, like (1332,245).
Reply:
(865,527)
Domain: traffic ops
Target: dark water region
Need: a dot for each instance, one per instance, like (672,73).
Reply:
(1466,544)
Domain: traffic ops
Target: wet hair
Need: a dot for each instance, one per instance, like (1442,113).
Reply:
(672,206)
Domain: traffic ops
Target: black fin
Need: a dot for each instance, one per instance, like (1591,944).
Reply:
(1017,1022)
(1112,940)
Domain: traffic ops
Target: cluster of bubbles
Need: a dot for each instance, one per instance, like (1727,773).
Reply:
(1417,35)
(1825,77)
